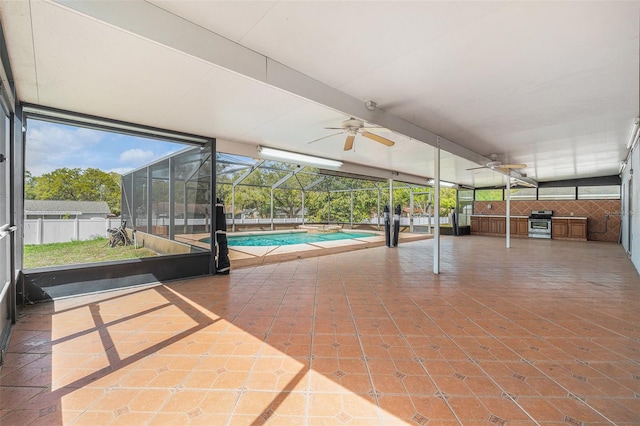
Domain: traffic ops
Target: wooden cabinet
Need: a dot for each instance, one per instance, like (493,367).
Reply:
(559,228)
(562,228)
(523,226)
(519,227)
(484,225)
(578,229)
(497,225)
(475,224)
(569,229)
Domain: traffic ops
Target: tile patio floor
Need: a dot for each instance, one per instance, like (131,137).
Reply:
(546,333)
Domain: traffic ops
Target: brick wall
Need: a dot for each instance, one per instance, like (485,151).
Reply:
(603,215)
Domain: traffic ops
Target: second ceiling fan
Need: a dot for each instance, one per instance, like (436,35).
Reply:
(494,164)
(353,127)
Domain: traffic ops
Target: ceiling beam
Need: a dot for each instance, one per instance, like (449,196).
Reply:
(150,22)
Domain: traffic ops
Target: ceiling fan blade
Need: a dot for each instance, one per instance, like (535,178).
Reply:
(514,166)
(324,137)
(348,144)
(377,138)
(334,128)
(477,168)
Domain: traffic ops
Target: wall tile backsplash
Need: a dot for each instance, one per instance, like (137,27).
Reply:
(603,216)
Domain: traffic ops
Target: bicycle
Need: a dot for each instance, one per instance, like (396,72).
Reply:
(119,236)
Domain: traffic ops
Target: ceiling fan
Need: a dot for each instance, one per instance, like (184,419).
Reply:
(494,164)
(352,127)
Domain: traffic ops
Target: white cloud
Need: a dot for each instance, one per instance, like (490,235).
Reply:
(136,156)
(52,146)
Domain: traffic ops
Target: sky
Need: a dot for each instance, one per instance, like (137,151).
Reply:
(51,146)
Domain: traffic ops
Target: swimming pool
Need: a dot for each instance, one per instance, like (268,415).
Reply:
(289,238)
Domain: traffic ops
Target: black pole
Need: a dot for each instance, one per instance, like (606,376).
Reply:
(223,265)
(387,227)
(396,225)
(454,221)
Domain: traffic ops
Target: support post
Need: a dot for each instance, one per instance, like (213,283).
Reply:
(378,208)
(272,226)
(429,208)
(172,199)
(436,210)
(186,207)
(351,215)
(303,213)
(508,219)
(410,209)
(233,208)
(149,203)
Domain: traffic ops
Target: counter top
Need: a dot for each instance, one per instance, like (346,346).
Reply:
(568,217)
(498,215)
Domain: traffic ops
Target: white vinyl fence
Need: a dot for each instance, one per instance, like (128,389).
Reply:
(44,231)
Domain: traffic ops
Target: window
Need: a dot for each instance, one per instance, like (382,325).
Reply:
(523,194)
(90,185)
(566,193)
(489,195)
(607,192)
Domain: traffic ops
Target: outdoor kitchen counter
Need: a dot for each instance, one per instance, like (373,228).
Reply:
(493,225)
(568,217)
(498,215)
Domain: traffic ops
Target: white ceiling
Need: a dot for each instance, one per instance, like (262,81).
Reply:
(551,84)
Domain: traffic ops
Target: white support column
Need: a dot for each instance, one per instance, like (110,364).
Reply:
(508,219)
(436,210)
(410,209)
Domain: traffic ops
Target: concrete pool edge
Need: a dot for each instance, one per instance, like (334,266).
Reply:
(254,256)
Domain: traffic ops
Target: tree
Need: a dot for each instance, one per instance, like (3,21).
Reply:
(29,186)
(288,202)
(75,185)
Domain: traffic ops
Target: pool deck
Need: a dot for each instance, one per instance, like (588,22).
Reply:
(247,256)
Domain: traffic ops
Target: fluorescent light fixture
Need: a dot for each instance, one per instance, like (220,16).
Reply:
(443,183)
(297,158)
(634,133)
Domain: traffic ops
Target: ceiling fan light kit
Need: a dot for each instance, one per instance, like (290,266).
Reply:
(494,164)
(353,127)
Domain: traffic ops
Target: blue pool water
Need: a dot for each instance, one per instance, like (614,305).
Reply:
(285,239)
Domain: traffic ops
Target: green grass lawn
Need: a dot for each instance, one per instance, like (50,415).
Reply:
(74,252)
